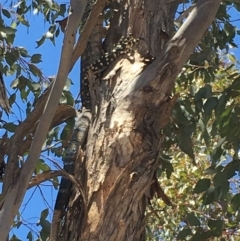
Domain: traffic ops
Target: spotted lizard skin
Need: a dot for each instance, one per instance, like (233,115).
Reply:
(124,46)
(78,140)
(97,67)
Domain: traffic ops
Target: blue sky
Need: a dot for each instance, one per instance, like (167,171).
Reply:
(40,198)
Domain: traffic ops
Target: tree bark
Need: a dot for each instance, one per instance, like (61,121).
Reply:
(117,168)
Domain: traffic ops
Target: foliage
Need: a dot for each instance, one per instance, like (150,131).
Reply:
(199,165)
(204,187)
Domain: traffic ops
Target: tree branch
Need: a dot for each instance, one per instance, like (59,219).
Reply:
(177,51)
(23,129)
(42,177)
(24,134)
(15,193)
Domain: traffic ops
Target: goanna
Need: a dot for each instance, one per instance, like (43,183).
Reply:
(124,46)
(77,141)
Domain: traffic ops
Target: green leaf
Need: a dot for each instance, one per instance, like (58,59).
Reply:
(41,167)
(65,133)
(36,58)
(51,30)
(55,183)
(53,135)
(34,70)
(222,100)
(11,58)
(19,223)
(202,185)
(166,166)
(24,53)
(67,98)
(203,93)
(207,77)
(23,21)
(185,142)
(209,106)
(236,202)
(183,234)
(7,30)
(199,105)
(209,196)
(229,30)
(30,236)
(34,86)
(24,94)
(220,179)
(68,84)
(15,238)
(62,10)
(44,233)
(57,32)
(14,83)
(10,126)
(6,13)
(44,167)
(201,235)
(235,85)
(68,128)
(12,99)
(180,115)
(206,137)
(44,213)
(231,168)
(192,220)
(49,3)
(40,41)
(45,224)
(217,152)
(221,192)
(57,151)
(216,226)
(227,112)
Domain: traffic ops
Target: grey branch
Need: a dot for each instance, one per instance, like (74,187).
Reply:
(16,191)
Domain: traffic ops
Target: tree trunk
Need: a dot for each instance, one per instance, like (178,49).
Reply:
(133,104)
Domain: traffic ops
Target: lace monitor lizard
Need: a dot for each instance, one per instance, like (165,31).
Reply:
(124,46)
(97,67)
(77,140)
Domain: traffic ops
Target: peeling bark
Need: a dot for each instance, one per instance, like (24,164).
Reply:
(133,104)
(125,138)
